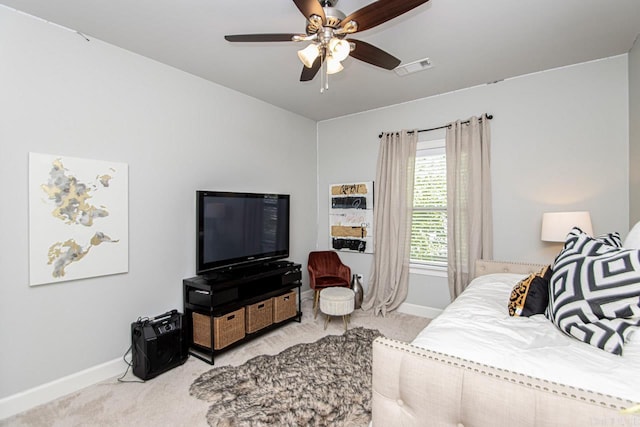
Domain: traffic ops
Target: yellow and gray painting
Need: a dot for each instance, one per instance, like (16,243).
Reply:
(71,213)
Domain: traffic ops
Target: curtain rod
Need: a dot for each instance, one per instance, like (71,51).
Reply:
(489,116)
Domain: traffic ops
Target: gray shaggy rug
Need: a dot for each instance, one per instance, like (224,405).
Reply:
(324,383)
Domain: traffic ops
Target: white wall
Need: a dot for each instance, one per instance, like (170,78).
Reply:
(60,94)
(559,142)
(634,133)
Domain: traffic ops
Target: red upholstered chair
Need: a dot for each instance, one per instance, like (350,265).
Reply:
(326,270)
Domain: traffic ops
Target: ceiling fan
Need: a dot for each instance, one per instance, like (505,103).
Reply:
(328,29)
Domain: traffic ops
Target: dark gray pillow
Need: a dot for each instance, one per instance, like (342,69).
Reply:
(530,295)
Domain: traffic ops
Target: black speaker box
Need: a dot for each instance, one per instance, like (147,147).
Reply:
(158,344)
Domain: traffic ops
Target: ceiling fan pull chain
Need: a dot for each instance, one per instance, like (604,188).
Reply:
(324,77)
(326,72)
(321,75)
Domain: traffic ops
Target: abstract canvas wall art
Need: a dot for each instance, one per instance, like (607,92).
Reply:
(351,217)
(78,218)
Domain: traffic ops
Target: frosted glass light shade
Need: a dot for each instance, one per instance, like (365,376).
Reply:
(309,54)
(340,49)
(333,66)
(556,225)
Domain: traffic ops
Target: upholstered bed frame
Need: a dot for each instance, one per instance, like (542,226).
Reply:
(417,387)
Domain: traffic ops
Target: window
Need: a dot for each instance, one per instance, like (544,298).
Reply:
(429,220)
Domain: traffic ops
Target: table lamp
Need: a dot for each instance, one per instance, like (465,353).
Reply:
(556,225)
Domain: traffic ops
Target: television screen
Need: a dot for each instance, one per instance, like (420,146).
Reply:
(235,229)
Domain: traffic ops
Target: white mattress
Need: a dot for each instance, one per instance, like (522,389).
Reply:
(477,326)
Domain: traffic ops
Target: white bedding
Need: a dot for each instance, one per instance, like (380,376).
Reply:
(477,326)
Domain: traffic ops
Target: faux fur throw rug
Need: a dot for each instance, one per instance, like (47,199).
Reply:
(324,383)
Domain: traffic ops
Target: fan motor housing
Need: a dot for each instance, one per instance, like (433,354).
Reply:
(333,19)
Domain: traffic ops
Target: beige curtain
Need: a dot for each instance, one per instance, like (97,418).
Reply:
(469,213)
(389,275)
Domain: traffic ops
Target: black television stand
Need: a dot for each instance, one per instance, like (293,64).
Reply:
(235,299)
(279,264)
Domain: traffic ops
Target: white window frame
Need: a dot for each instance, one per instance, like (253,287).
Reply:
(431,146)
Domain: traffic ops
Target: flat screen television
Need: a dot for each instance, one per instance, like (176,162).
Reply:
(240,229)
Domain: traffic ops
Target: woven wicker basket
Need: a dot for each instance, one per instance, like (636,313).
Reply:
(259,315)
(227,329)
(284,306)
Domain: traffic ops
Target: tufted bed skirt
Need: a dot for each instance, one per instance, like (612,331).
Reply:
(418,387)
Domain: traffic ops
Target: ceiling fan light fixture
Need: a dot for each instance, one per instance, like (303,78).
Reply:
(339,48)
(327,28)
(309,54)
(333,66)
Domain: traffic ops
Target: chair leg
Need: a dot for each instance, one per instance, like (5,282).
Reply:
(316,302)
(344,319)
(326,322)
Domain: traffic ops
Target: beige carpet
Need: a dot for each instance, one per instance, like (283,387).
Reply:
(165,400)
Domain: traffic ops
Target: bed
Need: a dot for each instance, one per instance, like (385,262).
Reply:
(474,365)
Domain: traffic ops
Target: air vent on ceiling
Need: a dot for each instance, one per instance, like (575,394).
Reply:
(413,67)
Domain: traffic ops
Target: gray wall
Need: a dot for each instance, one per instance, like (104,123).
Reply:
(177,133)
(559,142)
(634,133)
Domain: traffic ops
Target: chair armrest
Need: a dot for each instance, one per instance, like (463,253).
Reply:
(312,275)
(345,272)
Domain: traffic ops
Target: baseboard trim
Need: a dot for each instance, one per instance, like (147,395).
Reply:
(25,400)
(308,294)
(419,310)
(28,399)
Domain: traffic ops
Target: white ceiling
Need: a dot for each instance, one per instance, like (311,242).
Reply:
(470,42)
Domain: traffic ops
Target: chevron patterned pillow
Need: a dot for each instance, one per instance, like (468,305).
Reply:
(611,239)
(594,292)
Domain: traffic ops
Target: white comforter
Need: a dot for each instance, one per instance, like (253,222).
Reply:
(477,326)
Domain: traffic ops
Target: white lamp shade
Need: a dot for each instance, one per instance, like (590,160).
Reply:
(309,54)
(556,225)
(333,66)
(340,49)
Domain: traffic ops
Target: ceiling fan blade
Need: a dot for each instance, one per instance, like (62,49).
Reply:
(309,73)
(380,11)
(373,55)
(261,37)
(311,7)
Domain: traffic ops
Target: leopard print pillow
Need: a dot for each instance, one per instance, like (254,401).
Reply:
(531,295)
